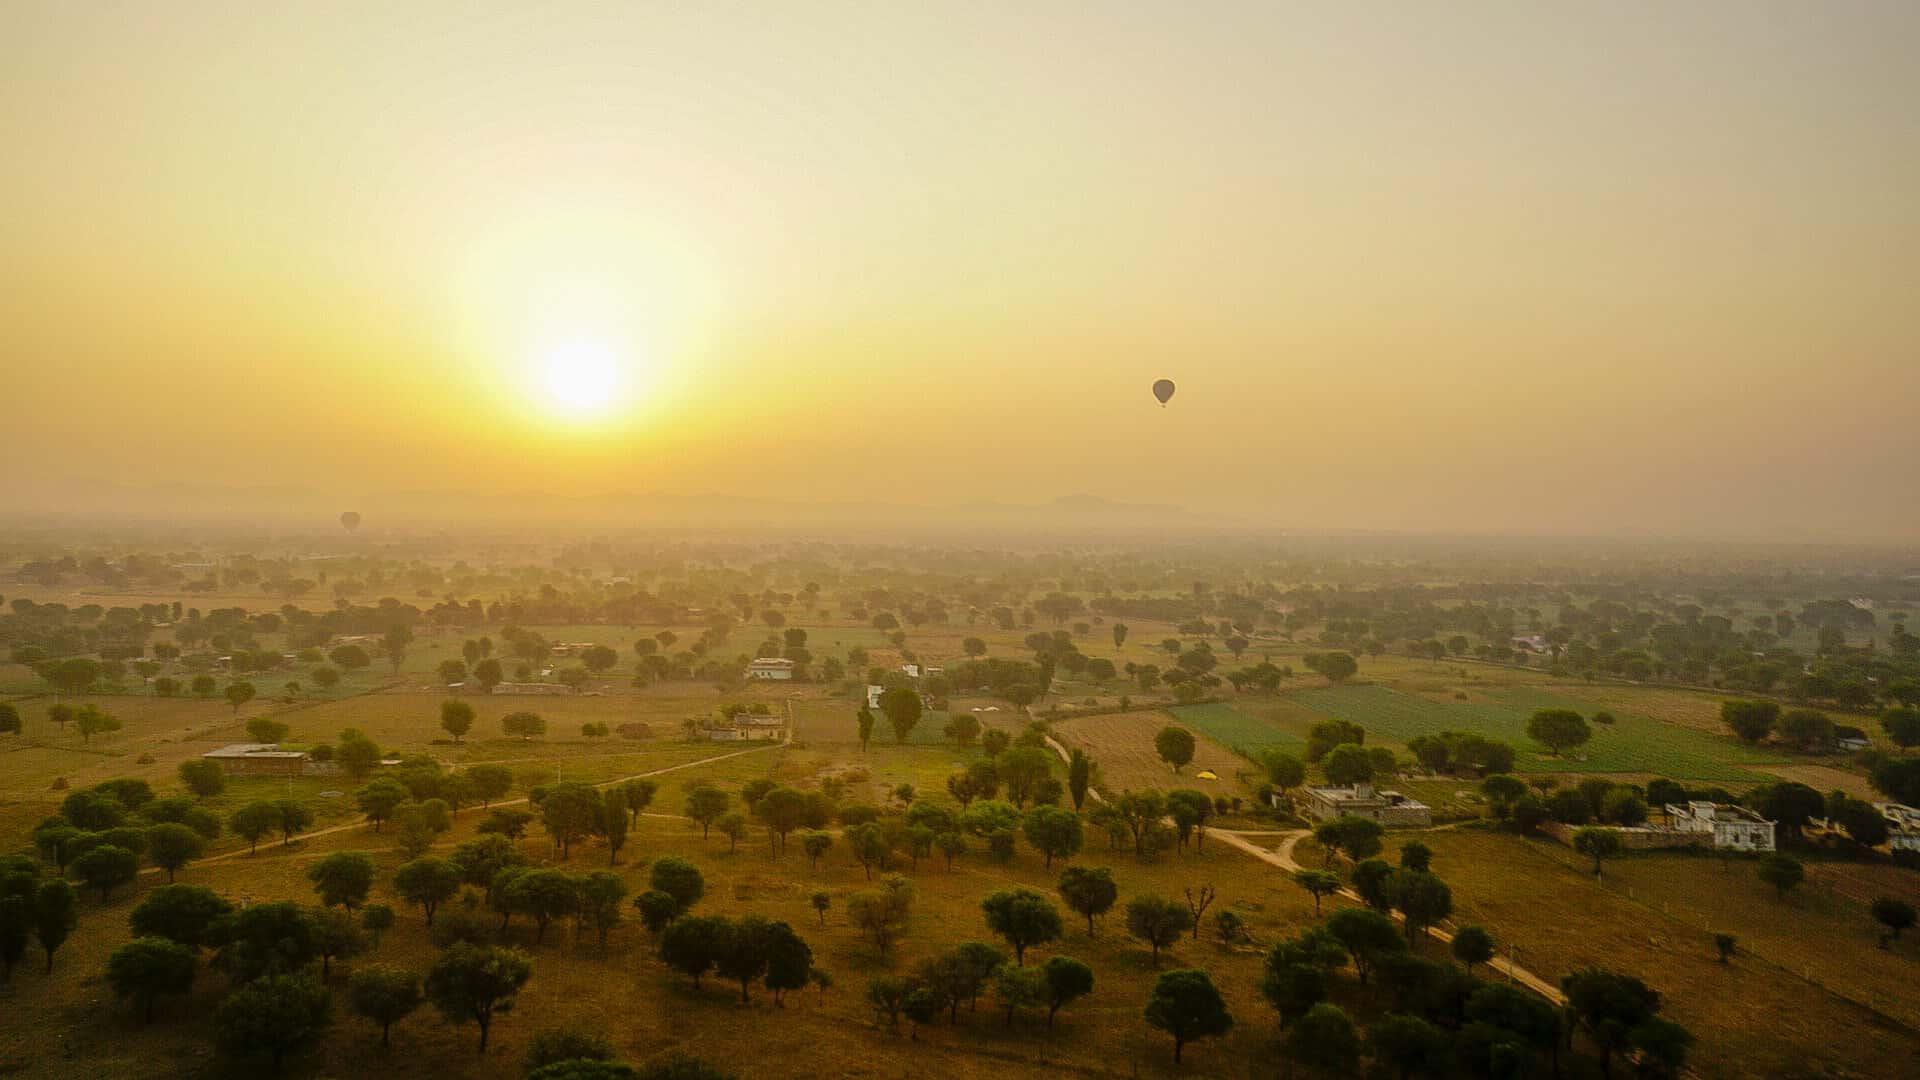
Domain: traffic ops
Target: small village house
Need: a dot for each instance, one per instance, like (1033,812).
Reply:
(258,759)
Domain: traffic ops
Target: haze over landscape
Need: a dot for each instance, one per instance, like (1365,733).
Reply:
(655,541)
(1488,267)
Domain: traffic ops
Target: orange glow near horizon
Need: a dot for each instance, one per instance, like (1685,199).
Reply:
(1635,267)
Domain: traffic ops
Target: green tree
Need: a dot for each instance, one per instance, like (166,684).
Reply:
(106,868)
(264,729)
(91,721)
(1609,1007)
(1597,844)
(55,913)
(185,914)
(204,778)
(1157,921)
(1023,917)
(292,817)
(475,983)
(1348,764)
(337,936)
(172,846)
(524,725)
(1894,914)
(428,882)
(1079,777)
(902,708)
(456,718)
(276,938)
(1472,945)
(1357,838)
(1320,883)
(1367,935)
(376,920)
(679,879)
(600,893)
(1750,720)
(1404,1044)
(1066,980)
(1783,872)
(238,693)
(380,798)
(384,995)
(865,721)
(1089,891)
(1016,987)
(1186,1005)
(271,1018)
(1174,745)
(148,968)
(571,811)
(490,782)
(342,878)
(1054,832)
(692,945)
(1423,901)
(789,960)
(705,803)
(1559,730)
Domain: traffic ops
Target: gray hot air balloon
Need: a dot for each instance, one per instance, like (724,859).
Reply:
(1163,389)
(350,520)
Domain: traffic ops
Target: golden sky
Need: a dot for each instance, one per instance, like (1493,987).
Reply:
(1559,267)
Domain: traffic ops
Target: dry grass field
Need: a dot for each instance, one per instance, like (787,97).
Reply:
(69,1024)
(1808,995)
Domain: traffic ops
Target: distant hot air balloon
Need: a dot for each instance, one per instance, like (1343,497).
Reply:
(1163,389)
(351,520)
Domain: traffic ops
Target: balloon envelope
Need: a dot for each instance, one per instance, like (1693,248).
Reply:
(1163,389)
(351,520)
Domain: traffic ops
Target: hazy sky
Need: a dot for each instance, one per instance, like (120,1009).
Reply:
(1523,266)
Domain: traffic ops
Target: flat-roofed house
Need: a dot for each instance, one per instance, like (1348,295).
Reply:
(258,759)
(770,667)
(1733,828)
(1364,801)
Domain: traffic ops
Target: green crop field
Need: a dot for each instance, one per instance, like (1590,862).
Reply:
(1234,729)
(1632,744)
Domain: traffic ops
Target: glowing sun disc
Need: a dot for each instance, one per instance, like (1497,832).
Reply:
(581,378)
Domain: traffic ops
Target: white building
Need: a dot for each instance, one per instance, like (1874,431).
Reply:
(1903,825)
(1361,800)
(770,667)
(873,695)
(1733,828)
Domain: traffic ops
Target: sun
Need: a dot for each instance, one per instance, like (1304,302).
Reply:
(581,378)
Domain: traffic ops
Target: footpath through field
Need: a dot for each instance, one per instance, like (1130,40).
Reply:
(334,829)
(1281,855)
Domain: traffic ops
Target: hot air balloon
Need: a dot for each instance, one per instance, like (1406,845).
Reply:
(350,520)
(1163,389)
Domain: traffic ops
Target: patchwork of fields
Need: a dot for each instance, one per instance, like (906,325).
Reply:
(1632,744)
(1235,730)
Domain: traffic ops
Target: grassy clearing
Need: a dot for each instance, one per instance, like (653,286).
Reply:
(1633,744)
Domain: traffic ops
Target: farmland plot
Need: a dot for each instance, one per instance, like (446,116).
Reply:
(1633,744)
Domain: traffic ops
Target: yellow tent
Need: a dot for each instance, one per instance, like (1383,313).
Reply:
(1207,774)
